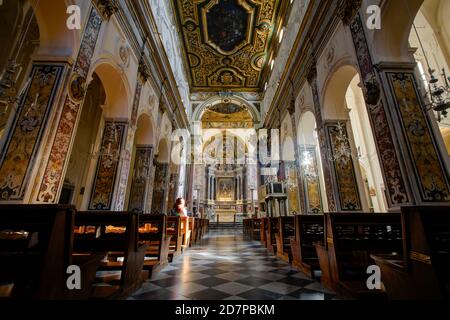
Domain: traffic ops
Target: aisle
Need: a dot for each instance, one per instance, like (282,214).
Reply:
(225,266)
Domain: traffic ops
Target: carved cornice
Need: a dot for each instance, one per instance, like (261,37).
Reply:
(143,72)
(348,10)
(311,74)
(107,8)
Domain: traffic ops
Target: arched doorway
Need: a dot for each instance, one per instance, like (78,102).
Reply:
(350,141)
(139,179)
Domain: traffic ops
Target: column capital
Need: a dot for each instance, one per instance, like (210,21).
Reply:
(107,8)
(348,10)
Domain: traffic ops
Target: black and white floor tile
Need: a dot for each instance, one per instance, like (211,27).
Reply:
(226,266)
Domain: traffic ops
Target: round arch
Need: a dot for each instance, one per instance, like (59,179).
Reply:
(391,43)
(145,134)
(200,110)
(334,92)
(55,38)
(116,89)
(163,151)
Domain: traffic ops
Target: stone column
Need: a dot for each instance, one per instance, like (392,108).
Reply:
(329,187)
(44,97)
(414,170)
(139,184)
(299,188)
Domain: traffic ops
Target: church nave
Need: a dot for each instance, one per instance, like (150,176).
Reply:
(226,265)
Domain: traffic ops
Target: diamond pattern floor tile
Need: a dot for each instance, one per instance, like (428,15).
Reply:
(226,266)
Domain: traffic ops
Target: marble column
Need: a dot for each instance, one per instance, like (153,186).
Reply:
(46,98)
(414,169)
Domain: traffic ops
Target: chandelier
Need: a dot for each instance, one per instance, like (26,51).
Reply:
(307,165)
(437,95)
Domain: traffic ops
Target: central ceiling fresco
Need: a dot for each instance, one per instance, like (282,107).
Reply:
(228,43)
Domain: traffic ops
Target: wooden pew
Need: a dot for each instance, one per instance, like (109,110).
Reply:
(195,235)
(190,221)
(283,238)
(422,273)
(271,231)
(205,226)
(309,229)
(350,240)
(255,229)
(117,234)
(153,232)
(36,249)
(263,231)
(174,230)
(246,224)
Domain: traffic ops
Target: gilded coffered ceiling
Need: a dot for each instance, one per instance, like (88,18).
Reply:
(228,43)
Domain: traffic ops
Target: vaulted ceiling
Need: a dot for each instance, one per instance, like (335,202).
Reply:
(228,43)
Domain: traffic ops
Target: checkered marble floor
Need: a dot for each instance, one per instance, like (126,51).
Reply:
(226,266)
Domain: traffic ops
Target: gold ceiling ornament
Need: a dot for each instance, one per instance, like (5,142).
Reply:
(228,43)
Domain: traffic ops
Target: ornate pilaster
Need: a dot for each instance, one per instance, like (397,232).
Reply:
(139,185)
(327,173)
(60,150)
(413,170)
(298,191)
(102,194)
(310,178)
(19,154)
(343,166)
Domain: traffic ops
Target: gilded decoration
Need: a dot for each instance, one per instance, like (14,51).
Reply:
(432,183)
(344,169)
(227,42)
(18,156)
(227,116)
(107,166)
(311,179)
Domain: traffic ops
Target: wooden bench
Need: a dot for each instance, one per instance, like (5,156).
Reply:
(153,232)
(255,231)
(174,230)
(283,238)
(263,230)
(195,234)
(350,240)
(35,251)
(271,231)
(423,271)
(117,234)
(247,226)
(309,229)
